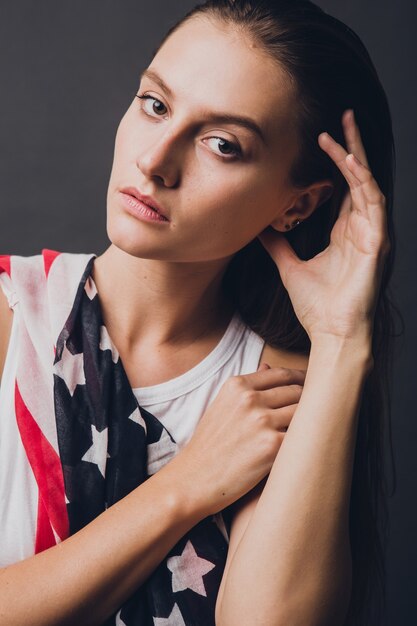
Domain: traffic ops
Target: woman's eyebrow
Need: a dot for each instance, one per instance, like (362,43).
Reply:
(152,75)
(219,117)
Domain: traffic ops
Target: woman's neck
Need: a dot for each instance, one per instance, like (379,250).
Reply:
(159,303)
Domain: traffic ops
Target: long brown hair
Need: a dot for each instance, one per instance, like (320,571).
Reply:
(332,71)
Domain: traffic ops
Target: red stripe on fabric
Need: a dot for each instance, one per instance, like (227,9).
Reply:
(46,467)
(49,257)
(5,264)
(45,537)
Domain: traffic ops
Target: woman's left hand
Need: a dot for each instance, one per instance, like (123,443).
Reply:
(335,292)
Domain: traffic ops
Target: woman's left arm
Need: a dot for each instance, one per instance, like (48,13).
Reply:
(292,566)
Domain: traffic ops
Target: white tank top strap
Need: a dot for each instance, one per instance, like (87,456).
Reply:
(239,348)
(179,403)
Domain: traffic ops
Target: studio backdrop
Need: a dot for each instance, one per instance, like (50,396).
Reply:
(68,72)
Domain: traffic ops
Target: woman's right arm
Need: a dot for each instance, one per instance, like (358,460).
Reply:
(87,577)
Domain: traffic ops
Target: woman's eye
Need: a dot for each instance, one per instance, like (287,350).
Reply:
(225,148)
(148,97)
(231,148)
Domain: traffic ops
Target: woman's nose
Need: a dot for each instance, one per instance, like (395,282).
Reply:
(161,158)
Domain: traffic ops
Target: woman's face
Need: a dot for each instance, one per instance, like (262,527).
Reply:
(219,182)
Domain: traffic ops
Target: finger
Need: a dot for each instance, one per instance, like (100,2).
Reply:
(273,377)
(369,187)
(364,188)
(358,175)
(263,366)
(281,418)
(338,154)
(353,136)
(279,397)
(281,251)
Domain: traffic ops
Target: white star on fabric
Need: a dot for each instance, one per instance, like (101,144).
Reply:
(119,621)
(160,452)
(137,418)
(90,288)
(71,369)
(106,344)
(97,451)
(219,521)
(174,619)
(188,570)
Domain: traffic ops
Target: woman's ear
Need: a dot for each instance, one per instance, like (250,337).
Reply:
(304,204)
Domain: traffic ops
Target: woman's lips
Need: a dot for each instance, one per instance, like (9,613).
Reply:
(145,199)
(140,210)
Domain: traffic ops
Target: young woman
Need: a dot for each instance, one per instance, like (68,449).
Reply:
(151,472)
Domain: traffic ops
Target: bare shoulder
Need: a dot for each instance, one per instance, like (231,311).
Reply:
(6,320)
(278,357)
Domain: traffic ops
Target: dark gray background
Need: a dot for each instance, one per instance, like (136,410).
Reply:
(68,72)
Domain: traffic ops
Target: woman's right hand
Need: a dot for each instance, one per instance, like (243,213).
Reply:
(237,439)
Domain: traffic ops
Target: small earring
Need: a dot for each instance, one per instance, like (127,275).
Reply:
(293,225)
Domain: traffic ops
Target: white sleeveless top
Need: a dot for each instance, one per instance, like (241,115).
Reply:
(178,403)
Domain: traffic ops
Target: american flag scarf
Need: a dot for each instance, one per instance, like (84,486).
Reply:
(88,441)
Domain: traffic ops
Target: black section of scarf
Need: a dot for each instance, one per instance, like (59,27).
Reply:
(105,441)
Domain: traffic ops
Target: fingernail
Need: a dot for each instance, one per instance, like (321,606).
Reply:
(264,364)
(353,158)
